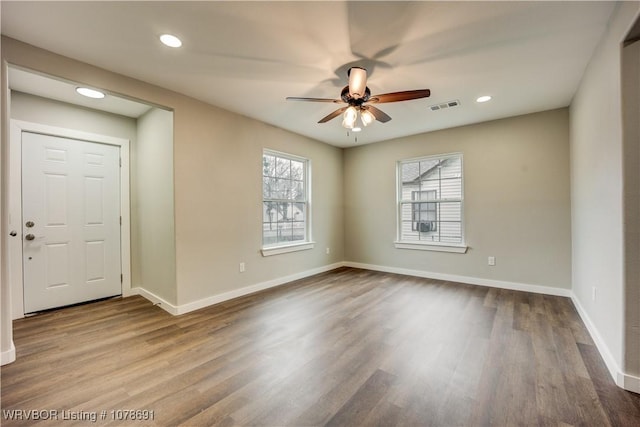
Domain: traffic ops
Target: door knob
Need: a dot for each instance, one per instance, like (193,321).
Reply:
(30,224)
(29,237)
(13,233)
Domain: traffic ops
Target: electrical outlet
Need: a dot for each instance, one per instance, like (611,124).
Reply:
(242,267)
(593,293)
(491,260)
(328,251)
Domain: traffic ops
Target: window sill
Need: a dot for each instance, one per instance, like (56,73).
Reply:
(277,250)
(458,249)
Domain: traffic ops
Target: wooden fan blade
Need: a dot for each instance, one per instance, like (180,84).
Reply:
(400,96)
(295,98)
(380,115)
(333,115)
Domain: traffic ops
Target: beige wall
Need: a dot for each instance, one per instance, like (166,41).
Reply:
(153,226)
(217,158)
(516,201)
(597,191)
(219,196)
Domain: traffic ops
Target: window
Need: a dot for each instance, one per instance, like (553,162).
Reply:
(285,202)
(430,203)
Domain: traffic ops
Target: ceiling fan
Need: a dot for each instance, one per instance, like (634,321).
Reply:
(357,96)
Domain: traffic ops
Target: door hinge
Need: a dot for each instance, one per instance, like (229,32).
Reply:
(121,278)
(121,220)
(120,161)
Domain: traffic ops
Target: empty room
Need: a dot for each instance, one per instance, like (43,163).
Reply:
(313,213)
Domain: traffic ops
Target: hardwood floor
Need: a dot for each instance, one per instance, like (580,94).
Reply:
(344,348)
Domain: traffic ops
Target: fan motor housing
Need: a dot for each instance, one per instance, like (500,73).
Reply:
(356,102)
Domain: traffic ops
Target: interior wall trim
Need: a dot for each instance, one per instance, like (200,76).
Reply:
(155,299)
(216,299)
(622,380)
(177,310)
(8,356)
(514,286)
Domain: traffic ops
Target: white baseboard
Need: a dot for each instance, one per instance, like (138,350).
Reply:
(216,299)
(625,381)
(628,382)
(156,300)
(514,286)
(8,356)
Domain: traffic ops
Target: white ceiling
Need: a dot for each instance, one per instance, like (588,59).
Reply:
(247,57)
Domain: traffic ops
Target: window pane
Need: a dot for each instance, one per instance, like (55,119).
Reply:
(429,167)
(410,172)
(268,188)
(451,188)
(450,211)
(269,212)
(297,170)
(283,168)
(269,235)
(268,165)
(451,232)
(269,223)
(298,190)
(297,231)
(432,187)
(298,210)
(281,188)
(451,168)
(284,210)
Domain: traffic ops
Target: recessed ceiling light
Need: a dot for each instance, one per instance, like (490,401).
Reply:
(356,129)
(484,98)
(90,93)
(170,40)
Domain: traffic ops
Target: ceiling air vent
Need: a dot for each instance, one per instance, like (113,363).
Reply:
(445,105)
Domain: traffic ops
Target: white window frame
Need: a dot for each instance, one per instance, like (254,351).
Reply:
(424,245)
(286,247)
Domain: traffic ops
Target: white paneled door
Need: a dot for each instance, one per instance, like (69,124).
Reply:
(70,221)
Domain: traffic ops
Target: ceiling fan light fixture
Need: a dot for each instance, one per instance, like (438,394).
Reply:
(357,82)
(366,117)
(349,117)
(170,40)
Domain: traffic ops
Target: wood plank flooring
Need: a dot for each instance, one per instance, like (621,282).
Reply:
(344,348)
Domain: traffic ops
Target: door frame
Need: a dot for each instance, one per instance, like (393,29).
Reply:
(16,279)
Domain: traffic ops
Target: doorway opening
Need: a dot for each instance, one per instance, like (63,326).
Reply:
(142,135)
